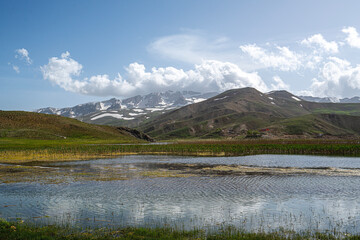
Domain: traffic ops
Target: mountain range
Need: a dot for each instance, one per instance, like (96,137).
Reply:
(235,113)
(130,111)
(247,112)
(331,99)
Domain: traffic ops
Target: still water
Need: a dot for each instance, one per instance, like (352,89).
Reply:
(250,201)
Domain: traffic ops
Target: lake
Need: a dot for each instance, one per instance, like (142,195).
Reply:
(261,192)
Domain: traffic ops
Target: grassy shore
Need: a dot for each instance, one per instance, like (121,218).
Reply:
(19,230)
(25,150)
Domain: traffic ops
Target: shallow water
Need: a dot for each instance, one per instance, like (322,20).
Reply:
(300,161)
(254,202)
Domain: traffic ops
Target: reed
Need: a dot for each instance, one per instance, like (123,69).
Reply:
(17,153)
(19,230)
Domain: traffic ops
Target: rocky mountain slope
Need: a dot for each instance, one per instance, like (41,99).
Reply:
(234,113)
(237,112)
(130,111)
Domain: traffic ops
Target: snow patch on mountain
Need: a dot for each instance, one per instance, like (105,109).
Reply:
(136,114)
(217,99)
(114,115)
(295,98)
(152,102)
(154,109)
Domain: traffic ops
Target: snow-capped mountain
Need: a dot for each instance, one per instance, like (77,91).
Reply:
(83,109)
(130,108)
(350,100)
(331,99)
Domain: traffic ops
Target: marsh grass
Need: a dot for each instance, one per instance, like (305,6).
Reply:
(25,231)
(10,173)
(17,151)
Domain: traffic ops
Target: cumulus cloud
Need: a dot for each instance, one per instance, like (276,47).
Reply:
(318,42)
(210,75)
(279,84)
(307,58)
(338,78)
(313,61)
(353,38)
(283,59)
(23,54)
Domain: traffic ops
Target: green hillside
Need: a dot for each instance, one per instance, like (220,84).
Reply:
(316,125)
(30,125)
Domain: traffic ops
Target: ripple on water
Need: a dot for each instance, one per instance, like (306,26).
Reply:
(274,199)
(266,160)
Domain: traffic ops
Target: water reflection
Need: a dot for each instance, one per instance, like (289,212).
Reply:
(266,160)
(298,202)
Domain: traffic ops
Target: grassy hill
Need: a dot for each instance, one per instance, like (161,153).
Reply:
(236,112)
(27,137)
(317,125)
(30,125)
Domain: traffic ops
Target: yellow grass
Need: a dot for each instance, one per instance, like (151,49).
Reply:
(23,156)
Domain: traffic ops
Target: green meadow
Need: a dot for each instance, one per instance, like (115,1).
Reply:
(25,150)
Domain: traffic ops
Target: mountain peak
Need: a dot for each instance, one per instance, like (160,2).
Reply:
(242,91)
(284,95)
(157,100)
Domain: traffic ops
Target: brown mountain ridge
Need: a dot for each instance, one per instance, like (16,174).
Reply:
(249,112)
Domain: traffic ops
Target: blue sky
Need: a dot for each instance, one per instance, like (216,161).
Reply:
(63,53)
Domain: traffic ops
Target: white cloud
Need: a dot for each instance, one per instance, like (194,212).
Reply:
(308,54)
(179,47)
(16,68)
(192,47)
(195,47)
(65,55)
(232,67)
(353,38)
(279,84)
(210,75)
(338,78)
(313,61)
(61,72)
(283,59)
(23,54)
(318,42)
